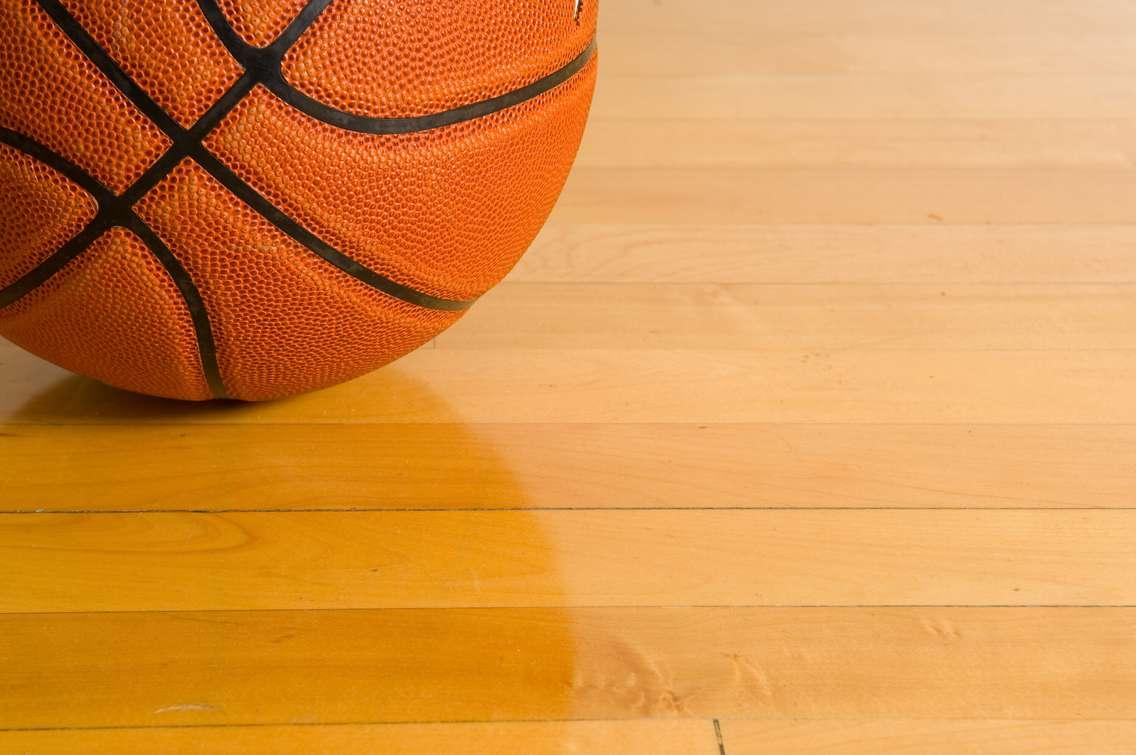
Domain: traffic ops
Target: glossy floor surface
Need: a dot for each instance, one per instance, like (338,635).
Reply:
(807,426)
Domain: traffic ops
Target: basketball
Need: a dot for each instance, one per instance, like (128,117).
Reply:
(251,199)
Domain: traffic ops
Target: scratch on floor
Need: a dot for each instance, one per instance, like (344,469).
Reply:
(718,735)
(186,708)
(752,677)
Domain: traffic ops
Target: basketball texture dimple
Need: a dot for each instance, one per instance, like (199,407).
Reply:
(51,92)
(413,58)
(166,47)
(40,212)
(256,198)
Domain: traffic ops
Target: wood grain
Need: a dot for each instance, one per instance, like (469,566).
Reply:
(751,317)
(645,385)
(857,96)
(870,143)
(807,422)
(158,466)
(671,50)
(537,664)
(831,254)
(677,737)
(717,20)
(849,195)
(933,737)
(324,560)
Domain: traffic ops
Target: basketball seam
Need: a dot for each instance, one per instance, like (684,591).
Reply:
(198,313)
(387,126)
(252,58)
(262,66)
(187,143)
(112,211)
(72,248)
(56,162)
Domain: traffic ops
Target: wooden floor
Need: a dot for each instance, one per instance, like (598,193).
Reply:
(807,426)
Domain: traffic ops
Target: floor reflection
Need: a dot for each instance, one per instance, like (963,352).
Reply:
(78,446)
(102,448)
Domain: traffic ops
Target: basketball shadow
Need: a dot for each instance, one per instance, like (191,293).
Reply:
(75,398)
(104,450)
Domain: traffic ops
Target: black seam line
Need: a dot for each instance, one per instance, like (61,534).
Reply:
(109,68)
(227,178)
(118,210)
(385,126)
(266,61)
(262,65)
(250,56)
(187,142)
(58,162)
(75,246)
(115,211)
(203,329)
(56,262)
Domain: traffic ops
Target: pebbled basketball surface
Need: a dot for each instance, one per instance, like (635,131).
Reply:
(256,198)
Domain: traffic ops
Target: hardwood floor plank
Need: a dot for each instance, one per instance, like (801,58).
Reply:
(853,195)
(810,413)
(713,21)
(873,143)
(540,664)
(492,466)
(823,37)
(327,560)
(796,318)
(784,254)
(930,737)
(674,51)
(855,96)
(642,385)
(649,737)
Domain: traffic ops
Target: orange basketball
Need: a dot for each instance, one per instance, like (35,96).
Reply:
(255,198)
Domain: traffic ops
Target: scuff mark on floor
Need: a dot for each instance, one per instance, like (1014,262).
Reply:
(186,708)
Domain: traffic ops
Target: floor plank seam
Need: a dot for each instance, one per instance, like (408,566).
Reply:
(595,607)
(320,724)
(553,509)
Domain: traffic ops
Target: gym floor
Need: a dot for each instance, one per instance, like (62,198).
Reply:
(807,426)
